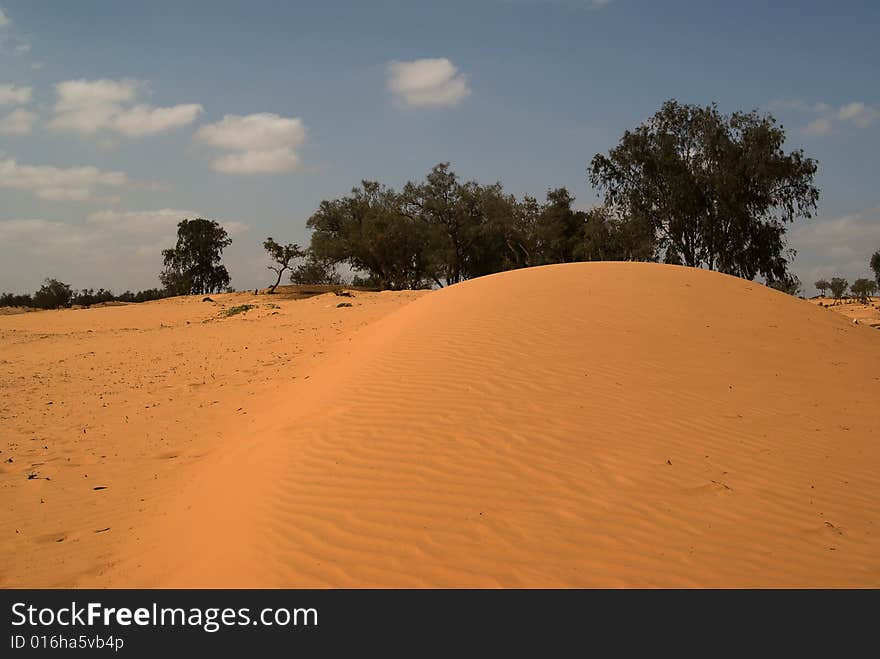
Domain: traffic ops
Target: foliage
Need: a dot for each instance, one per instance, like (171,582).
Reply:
(234,311)
(715,190)
(193,266)
(315,271)
(53,294)
(863,289)
(875,265)
(838,286)
(790,285)
(442,231)
(822,285)
(368,232)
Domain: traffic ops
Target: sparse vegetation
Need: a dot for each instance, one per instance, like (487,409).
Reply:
(234,311)
(281,256)
(55,294)
(838,286)
(822,286)
(862,289)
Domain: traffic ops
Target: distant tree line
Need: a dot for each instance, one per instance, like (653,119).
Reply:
(862,289)
(54,294)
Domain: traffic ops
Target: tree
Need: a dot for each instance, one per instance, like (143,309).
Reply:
(838,287)
(53,294)
(369,232)
(862,289)
(791,285)
(315,271)
(715,190)
(822,285)
(13,300)
(875,266)
(281,256)
(194,266)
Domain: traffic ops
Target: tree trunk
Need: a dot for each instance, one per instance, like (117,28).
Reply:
(278,281)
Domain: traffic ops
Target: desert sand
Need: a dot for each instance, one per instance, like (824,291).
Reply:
(865,313)
(595,424)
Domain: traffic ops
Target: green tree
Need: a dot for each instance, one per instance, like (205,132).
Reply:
(838,286)
(791,285)
(53,294)
(281,256)
(368,231)
(194,265)
(315,271)
(862,289)
(716,190)
(875,265)
(822,286)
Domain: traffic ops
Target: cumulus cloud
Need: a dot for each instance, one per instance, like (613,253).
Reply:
(18,122)
(163,221)
(15,95)
(56,183)
(427,83)
(256,143)
(91,106)
(858,113)
(818,127)
(828,117)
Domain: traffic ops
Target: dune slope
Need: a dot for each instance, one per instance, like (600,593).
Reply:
(575,425)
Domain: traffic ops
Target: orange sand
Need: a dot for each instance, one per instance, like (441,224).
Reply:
(865,314)
(578,425)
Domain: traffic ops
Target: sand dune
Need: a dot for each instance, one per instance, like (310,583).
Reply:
(577,425)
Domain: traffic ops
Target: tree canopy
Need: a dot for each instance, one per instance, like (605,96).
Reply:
(194,265)
(863,288)
(443,230)
(716,190)
(838,286)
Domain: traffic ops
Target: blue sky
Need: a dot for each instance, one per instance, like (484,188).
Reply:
(116,118)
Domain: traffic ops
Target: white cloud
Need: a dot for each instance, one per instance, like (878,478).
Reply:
(163,221)
(249,162)
(18,122)
(55,183)
(15,95)
(848,230)
(857,113)
(257,143)
(140,221)
(427,83)
(4,19)
(90,106)
(144,120)
(818,127)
